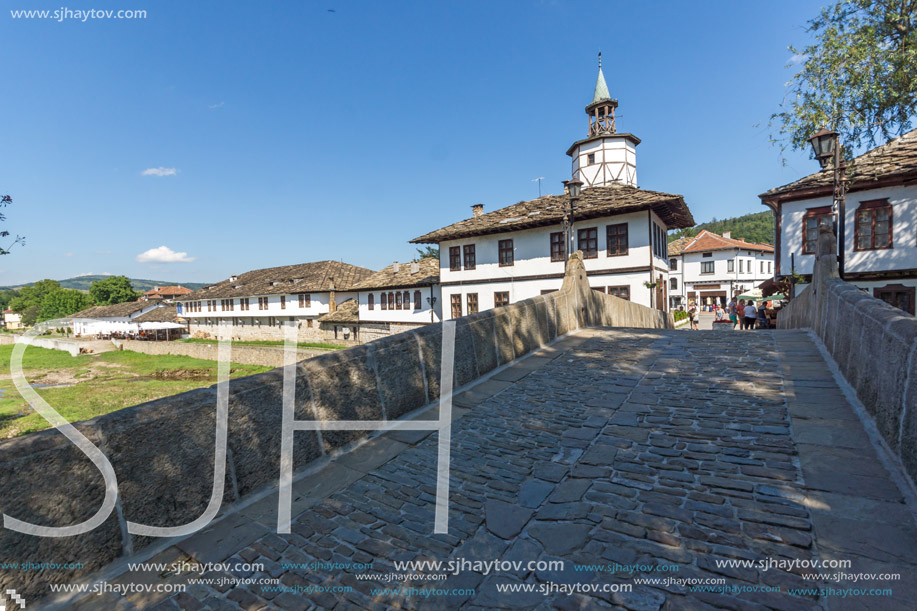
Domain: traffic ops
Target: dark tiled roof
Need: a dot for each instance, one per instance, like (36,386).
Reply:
(302,278)
(427,274)
(163,314)
(347,311)
(676,246)
(706,241)
(118,310)
(550,209)
(896,159)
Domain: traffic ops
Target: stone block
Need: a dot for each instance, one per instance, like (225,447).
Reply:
(540,320)
(431,347)
(524,327)
(504,328)
(163,455)
(400,374)
(256,424)
(46,480)
(483,333)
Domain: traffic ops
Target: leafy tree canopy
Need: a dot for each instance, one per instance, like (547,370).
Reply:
(859,76)
(428,252)
(32,296)
(62,303)
(112,290)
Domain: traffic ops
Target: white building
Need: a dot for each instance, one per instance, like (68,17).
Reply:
(708,269)
(108,319)
(11,320)
(518,252)
(257,303)
(879,252)
(401,297)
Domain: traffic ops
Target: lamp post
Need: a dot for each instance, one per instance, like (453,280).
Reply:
(828,149)
(573,190)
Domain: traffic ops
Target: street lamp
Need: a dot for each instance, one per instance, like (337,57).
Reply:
(573,190)
(827,147)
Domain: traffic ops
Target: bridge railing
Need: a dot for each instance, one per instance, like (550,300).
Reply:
(873,343)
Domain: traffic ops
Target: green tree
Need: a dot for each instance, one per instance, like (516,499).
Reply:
(30,315)
(112,290)
(32,296)
(859,76)
(62,303)
(428,252)
(7,296)
(6,200)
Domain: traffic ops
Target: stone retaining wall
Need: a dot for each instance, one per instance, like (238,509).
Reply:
(162,451)
(269,356)
(873,343)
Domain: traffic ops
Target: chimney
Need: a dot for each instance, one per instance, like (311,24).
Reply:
(332,304)
(477,210)
(727,234)
(396,267)
(415,267)
(233,278)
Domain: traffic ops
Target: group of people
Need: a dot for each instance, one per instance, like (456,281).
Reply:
(745,315)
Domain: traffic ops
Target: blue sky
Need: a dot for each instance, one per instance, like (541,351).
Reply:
(299,134)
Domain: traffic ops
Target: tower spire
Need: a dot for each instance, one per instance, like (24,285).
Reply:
(601,89)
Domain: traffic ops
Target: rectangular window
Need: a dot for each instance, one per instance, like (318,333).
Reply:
(506,253)
(455,259)
(617,239)
(813,218)
(456,306)
(468,254)
(707,254)
(706,267)
(370,301)
(283,302)
(501,299)
(673,265)
(730,266)
(621,292)
(762,267)
(588,242)
(770,267)
(873,225)
(305,301)
(308,323)
(558,246)
(741,266)
(673,284)
(898,295)
(472,303)
(590,158)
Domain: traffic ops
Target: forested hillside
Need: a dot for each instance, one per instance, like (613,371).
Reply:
(757,227)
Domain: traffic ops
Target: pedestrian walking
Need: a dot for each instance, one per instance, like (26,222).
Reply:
(751,314)
(692,316)
(731,310)
(740,314)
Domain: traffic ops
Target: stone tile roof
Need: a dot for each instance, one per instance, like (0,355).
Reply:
(706,241)
(894,161)
(347,311)
(163,314)
(427,274)
(118,310)
(302,278)
(550,209)
(676,246)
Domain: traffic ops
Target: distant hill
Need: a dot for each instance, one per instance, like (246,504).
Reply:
(82,283)
(757,227)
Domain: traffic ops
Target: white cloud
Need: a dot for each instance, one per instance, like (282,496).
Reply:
(69,254)
(160,171)
(798,58)
(164,254)
(213,106)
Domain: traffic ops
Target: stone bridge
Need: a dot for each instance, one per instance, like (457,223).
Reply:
(624,468)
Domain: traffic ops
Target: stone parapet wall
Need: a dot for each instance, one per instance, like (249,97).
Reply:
(162,451)
(268,356)
(873,343)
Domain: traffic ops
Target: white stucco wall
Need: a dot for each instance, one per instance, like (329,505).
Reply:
(409,315)
(319,305)
(903,255)
(615,161)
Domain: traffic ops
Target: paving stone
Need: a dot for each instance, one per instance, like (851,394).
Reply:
(559,537)
(504,519)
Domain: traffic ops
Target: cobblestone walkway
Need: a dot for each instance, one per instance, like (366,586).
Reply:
(654,448)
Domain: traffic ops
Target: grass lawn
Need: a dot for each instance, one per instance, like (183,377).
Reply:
(253,342)
(89,385)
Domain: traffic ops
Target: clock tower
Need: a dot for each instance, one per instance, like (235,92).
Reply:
(604,157)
